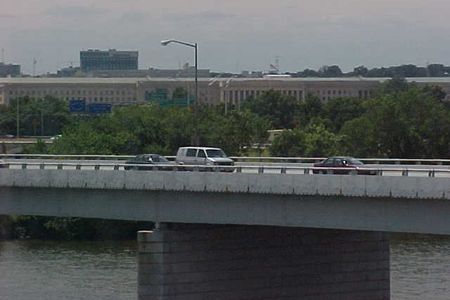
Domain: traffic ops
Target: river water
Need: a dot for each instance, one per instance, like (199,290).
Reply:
(420,269)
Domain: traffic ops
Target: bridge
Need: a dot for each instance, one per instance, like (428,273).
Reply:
(265,231)
(10,145)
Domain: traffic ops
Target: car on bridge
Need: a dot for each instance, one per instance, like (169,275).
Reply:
(205,156)
(342,165)
(147,162)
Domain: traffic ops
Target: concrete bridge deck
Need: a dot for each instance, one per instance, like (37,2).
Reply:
(379,203)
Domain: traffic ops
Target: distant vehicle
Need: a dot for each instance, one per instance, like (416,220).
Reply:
(273,76)
(342,165)
(207,156)
(56,137)
(147,162)
(7,136)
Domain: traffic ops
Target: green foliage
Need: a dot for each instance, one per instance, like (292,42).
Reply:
(289,143)
(406,124)
(39,147)
(320,142)
(340,110)
(308,111)
(41,116)
(279,109)
(315,141)
(151,129)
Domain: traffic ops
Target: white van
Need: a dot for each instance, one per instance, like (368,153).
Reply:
(203,156)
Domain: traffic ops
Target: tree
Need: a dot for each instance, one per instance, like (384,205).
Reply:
(315,141)
(404,124)
(360,71)
(41,116)
(330,71)
(279,109)
(308,110)
(289,143)
(341,110)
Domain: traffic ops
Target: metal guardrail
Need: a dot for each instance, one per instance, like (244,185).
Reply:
(431,172)
(396,161)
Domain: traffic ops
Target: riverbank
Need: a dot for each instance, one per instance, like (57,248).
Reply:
(68,229)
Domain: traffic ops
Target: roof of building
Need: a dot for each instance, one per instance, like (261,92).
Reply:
(124,80)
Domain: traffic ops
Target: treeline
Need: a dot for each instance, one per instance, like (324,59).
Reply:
(37,116)
(409,70)
(401,120)
(37,227)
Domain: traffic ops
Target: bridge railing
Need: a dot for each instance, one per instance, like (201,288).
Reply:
(242,159)
(257,169)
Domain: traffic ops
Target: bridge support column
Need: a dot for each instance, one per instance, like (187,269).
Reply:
(255,262)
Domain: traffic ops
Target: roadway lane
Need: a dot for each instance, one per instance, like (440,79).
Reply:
(246,167)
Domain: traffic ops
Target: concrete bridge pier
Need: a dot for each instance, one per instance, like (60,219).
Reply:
(180,261)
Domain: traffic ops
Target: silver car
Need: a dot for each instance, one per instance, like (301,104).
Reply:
(204,156)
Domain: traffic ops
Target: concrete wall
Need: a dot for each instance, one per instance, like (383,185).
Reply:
(255,262)
(375,203)
(275,184)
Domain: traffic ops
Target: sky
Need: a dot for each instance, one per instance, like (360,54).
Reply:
(232,35)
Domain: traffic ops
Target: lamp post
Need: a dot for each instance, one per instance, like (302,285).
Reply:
(17,118)
(193,45)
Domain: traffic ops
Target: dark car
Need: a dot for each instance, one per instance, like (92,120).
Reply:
(149,162)
(342,165)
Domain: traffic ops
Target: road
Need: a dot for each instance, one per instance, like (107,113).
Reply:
(244,167)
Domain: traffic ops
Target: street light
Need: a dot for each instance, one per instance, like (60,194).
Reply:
(193,45)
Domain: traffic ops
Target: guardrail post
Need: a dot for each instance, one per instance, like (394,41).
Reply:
(431,173)
(97,167)
(260,170)
(405,173)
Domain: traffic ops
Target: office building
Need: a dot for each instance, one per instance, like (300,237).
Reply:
(211,91)
(99,60)
(9,70)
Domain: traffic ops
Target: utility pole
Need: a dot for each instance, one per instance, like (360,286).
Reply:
(17,118)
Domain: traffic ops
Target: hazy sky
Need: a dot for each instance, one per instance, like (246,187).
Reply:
(233,35)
